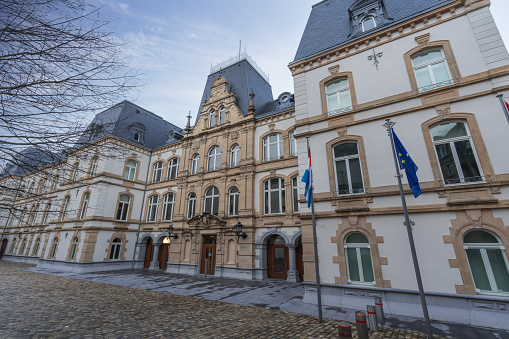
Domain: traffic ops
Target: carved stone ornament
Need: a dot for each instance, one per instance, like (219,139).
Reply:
(423,40)
(196,145)
(334,69)
(342,132)
(444,111)
(475,217)
(271,126)
(234,135)
(206,220)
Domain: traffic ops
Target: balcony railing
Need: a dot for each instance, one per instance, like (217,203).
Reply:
(353,191)
(437,85)
(464,180)
(341,110)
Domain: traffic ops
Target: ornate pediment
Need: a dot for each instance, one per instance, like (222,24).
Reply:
(206,220)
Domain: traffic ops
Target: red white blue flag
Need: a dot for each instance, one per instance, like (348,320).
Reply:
(308,179)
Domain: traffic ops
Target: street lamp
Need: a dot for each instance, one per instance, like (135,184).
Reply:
(238,231)
(170,235)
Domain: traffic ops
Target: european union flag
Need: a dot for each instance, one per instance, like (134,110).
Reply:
(405,162)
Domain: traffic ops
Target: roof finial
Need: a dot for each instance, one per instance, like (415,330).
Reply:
(188,126)
(251,107)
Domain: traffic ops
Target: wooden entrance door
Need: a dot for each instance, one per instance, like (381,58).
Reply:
(163,256)
(2,249)
(208,255)
(277,258)
(299,262)
(148,254)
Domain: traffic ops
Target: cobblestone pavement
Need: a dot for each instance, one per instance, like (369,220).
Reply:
(35,305)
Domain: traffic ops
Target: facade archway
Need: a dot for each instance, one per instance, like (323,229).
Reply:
(149,250)
(163,255)
(3,247)
(277,258)
(298,258)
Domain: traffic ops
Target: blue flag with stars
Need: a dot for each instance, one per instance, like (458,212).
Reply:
(406,162)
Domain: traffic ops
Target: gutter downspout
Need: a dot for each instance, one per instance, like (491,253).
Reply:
(141,210)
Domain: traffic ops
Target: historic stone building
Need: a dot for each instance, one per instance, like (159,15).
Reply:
(434,67)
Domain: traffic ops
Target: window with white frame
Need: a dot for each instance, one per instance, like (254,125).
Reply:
(274,196)
(214,159)
(488,262)
(338,96)
(74,248)
(55,183)
(358,259)
(233,202)
(191,206)
(212,201)
(235,156)
(36,247)
(295,194)
(173,168)
(456,153)
(158,172)
(22,247)
(212,118)
(65,208)
(130,170)
(84,207)
(168,205)
(347,168)
(13,245)
(195,164)
(33,216)
(116,245)
(75,171)
(53,248)
(293,144)
(123,207)
(431,70)
(40,187)
(46,214)
(368,23)
(222,115)
(273,147)
(22,216)
(153,203)
(93,167)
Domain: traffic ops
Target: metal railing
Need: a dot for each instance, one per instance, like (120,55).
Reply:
(340,110)
(346,192)
(457,181)
(437,85)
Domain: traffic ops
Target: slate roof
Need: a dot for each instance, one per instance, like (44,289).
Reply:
(328,25)
(31,159)
(117,119)
(241,78)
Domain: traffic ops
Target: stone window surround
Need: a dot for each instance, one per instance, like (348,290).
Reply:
(129,210)
(123,248)
(136,172)
(60,215)
(158,210)
(160,206)
(89,171)
(56,237)
(82,201)
(323,91)
(286,143)
(206,162)
(166,168)
(77,234)
(288,193)
(73,176)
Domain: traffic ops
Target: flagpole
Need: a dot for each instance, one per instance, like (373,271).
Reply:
(389,124)
(504,107)
(317,271)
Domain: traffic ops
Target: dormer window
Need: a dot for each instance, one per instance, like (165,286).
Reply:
(137,133)
(212,119)
(137,137)
(368,23)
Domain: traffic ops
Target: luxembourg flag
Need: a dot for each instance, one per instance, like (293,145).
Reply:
(308,179)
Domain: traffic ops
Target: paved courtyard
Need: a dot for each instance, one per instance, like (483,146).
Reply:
(153,304)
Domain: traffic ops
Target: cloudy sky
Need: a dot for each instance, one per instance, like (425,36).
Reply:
(173,43)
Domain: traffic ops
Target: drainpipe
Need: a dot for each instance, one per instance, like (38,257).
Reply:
(141,210)
(11,208)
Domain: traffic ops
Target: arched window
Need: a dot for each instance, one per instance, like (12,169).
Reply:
(55,183)
(116,245)
(22,216)
(273,147)
(338,96)
(233,202)
(13,245)
(65,208)
(168,205)
(93,166)
(274,196)
(22,248)
(235,156)
(212,118)
(347,168)
(153,203)
(212,201)
(221,115)
(358,259)
(86,199)
(31,188)
(46,214)
(53,248)
(431,70)
(488,262)
(36,247)
(191,205)
(74,247)
(33,215)
(368,23)
(214,160)
(74,173)
(195,164)
(40,187)
(456,154)
(123,207)
(158,172)
(295,194)
(173,168)
(137,136)
(130,170)
(293,144)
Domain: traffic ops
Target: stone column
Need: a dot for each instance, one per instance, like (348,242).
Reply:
(154,265)
(292,275)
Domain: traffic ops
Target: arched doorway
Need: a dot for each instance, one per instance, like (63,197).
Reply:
(4,246)
(163,256)
(277,258)
(149,250)
(298,259)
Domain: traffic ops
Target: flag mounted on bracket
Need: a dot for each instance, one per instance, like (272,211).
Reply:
(406,162)
(308,179)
